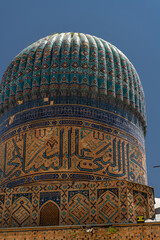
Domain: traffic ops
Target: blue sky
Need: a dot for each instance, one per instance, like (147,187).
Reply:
(131,25)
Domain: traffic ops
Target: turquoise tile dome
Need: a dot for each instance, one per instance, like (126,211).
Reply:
(73,65)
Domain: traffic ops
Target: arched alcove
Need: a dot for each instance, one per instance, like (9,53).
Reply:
(49,215)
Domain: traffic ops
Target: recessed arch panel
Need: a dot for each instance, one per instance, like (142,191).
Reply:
(49,214)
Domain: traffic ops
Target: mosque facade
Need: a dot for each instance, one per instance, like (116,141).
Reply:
(72,136)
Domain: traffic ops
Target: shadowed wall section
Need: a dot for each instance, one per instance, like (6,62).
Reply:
(49,215)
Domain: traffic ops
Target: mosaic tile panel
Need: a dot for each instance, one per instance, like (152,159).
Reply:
(50,196)
(79,207)
(113,116)
(7,207)
(108,210)
(140,204)
(56,151)
(124,201)
(2,199)
(21,212)
(79,202)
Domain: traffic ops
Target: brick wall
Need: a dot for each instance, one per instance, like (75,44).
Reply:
(146,231)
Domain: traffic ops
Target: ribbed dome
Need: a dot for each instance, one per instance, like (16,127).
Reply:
(72,64)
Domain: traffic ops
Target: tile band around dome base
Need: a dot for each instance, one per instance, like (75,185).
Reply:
(106,103)
(79,107)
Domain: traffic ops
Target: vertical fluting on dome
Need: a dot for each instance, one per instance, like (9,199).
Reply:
(68,64)
(84,66)
(102,69)
(64,76)
(27,85)
(131,85)
(37,68)
(12,79)
(21,70)
(125,81)
(110,70)
(46,62)
(135,89)
(75,65)
(93,67)
(55,64)
(139,93)
(13,86)
(5,93)
(118,75)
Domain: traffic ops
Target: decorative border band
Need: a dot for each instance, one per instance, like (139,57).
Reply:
(72,111)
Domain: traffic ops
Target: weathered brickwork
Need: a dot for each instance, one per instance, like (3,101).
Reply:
(77,203)
(147,231)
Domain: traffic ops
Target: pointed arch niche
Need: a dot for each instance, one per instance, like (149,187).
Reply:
(49,214)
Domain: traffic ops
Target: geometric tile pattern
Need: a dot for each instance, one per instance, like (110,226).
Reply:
(74,113)
(124,201)
(130,203)
(79,210)
(2,196)
(35,204)
(108,210)
(21,212)
(151,210)
(52,196)
(140,204)
(7,207)
(78,202)
(26,195)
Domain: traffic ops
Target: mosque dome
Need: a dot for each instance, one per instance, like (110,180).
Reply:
(72,136)
(66,66)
